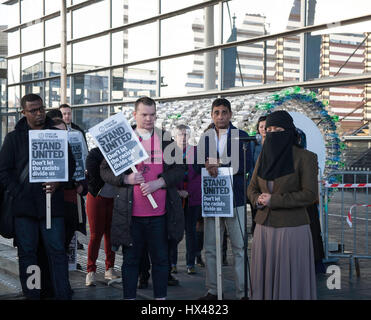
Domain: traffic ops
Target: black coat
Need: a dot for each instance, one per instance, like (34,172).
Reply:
(123,203)
(30,197)
(76,127)
(93,161)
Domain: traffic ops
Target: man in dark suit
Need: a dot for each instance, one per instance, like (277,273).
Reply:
(67,118)
(221,146)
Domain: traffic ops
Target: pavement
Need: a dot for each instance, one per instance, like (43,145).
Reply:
(190,287)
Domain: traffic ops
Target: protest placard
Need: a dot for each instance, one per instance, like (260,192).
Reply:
(48,154)
(48,158)
(119,145)
(80,152)
(217,193)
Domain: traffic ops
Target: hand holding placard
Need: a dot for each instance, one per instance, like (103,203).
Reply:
(149,196)
(120,146)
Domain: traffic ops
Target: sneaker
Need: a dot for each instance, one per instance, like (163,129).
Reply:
(209,296)
(173,269)
(111,274)
(200,262)
(171,281)
(191,270)
(90,279)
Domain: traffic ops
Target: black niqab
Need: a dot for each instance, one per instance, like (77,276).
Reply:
(276,156)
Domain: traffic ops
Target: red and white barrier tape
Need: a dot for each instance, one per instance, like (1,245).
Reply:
(347,185)
(349,217)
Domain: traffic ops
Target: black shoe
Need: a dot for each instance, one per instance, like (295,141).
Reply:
(171,281)
(225,262)
(200,262)
(143,284)
(80,246)
(78,266)
(245,298)
(209,296)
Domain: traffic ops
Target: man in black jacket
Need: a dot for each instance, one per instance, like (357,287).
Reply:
(30,204)
(135,224)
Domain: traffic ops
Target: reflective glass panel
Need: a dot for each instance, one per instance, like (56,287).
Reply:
(141,9)
(53,31)
(89,117)
(13,11)
(34,87)
(140,80)
(142,42)
(119,46)
(31,9)
(117,84)
(53,62)
(189,26)
(119,13)
(52,93)
(32,67)
(13,43)
(32,37)
(170,5)
(53,6)
(85,20)
(90,87)
(14,97)
(91,54)
(13,70)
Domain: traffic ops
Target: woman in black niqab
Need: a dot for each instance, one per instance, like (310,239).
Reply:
(276,156)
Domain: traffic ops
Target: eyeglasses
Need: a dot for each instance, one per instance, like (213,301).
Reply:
(34,111)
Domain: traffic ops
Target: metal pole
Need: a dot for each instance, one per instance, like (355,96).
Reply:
(209,64)
(220,51)
(63,93)
(303,42)
(219,282)
(158,91)
(265,58)
(245,220)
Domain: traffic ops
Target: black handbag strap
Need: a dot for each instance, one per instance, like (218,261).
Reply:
(24,174)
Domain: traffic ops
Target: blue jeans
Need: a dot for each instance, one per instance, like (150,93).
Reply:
(191,214)
(150,232)
(27,231)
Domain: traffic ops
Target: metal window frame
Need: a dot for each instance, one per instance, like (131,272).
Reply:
(318,83)
(263,38)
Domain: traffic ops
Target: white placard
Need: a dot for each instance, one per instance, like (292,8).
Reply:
(119,144)
(80,152)
(48,155)
(217,193)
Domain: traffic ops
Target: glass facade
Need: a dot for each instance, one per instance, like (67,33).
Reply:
(118,50)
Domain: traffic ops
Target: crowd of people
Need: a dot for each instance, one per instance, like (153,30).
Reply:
(281,191)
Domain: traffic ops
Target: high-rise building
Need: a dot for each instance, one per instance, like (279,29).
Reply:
(329,55)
